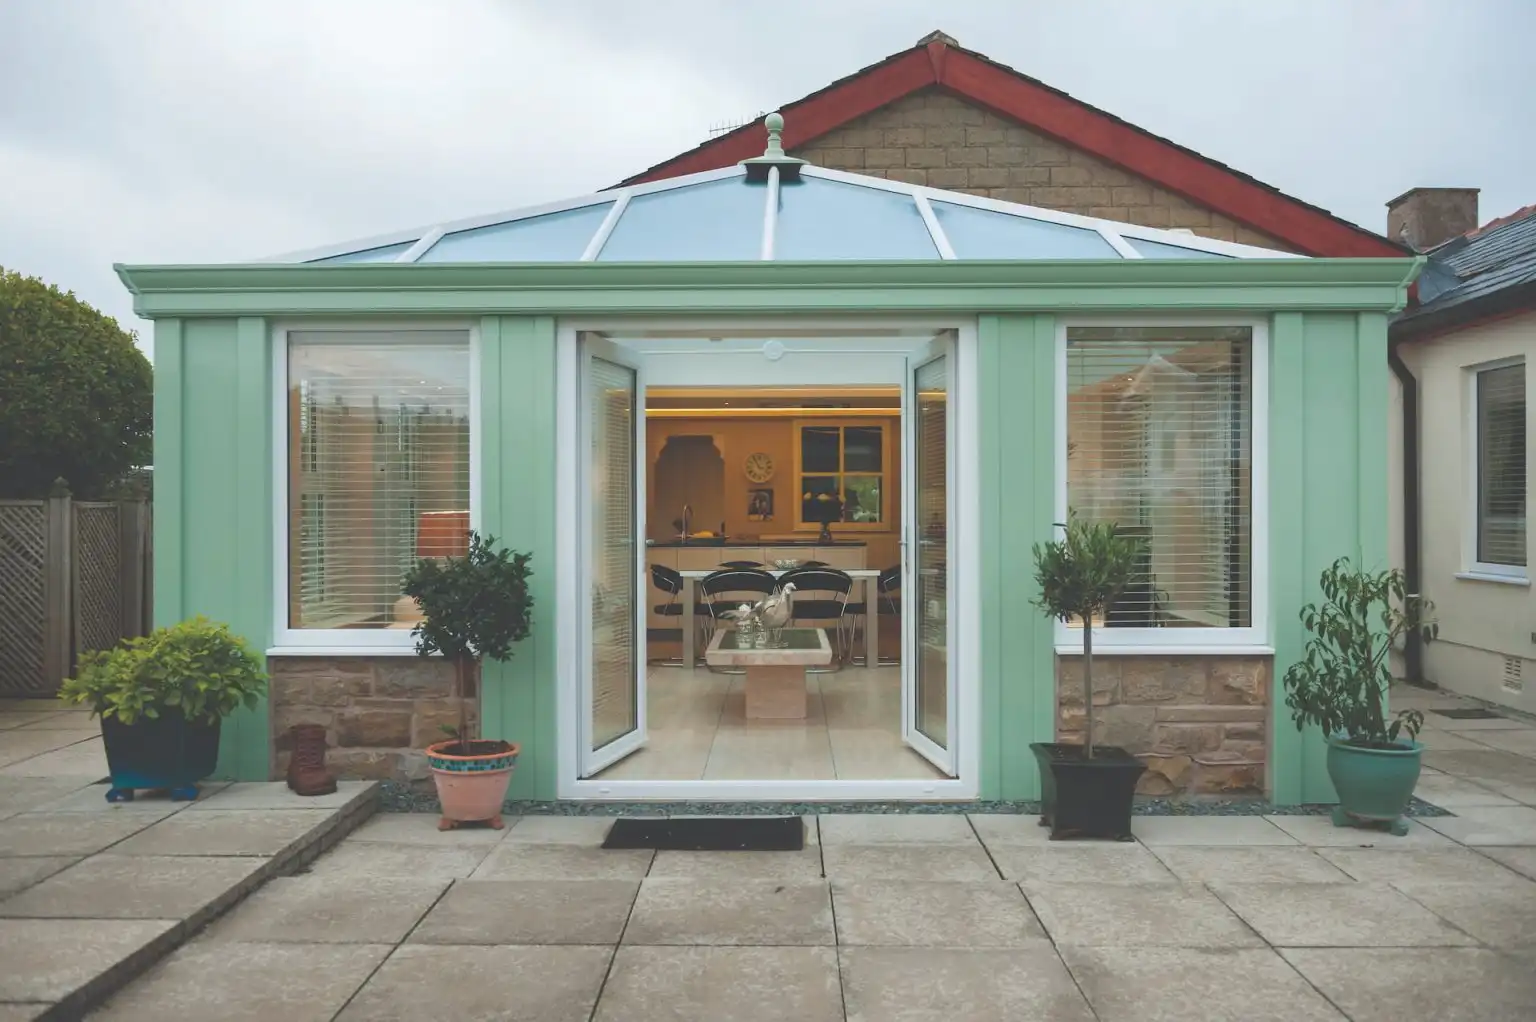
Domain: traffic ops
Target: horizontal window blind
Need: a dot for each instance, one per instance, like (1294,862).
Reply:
(1501,466)
(378,437)
(611,401)
(1159,441)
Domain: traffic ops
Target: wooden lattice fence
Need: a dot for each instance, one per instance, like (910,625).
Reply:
(74,576)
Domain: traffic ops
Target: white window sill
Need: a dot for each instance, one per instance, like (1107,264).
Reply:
(1484,576)
(1076,649)
(343,651)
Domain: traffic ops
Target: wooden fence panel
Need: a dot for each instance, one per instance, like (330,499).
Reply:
(23,599)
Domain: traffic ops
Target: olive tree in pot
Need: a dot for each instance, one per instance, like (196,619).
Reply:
(1085,790)
(1341,686)
(161,698)
(473,607)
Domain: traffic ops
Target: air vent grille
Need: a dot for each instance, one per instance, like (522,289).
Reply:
(1514,669)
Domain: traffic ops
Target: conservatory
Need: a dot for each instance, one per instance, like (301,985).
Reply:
(670,392)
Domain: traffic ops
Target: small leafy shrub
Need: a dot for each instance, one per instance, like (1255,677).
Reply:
(198,667)
(1079,576)
(1341,685)
(472,607)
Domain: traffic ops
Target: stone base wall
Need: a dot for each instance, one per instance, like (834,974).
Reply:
(378,712)
(1199,723)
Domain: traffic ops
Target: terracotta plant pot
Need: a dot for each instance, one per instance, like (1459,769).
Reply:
(471,786)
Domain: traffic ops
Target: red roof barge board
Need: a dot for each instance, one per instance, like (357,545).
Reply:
(1015,96)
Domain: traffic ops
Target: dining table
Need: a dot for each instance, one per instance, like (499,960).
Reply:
(864,579)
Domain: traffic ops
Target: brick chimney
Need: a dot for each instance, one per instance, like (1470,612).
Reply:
(1426,217)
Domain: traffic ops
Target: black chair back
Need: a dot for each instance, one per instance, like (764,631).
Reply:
(666,579)
(811,564)
(808,581)
(741,564)
(889,582)
(734,581)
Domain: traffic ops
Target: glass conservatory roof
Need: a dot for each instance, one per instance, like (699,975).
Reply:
(779,209)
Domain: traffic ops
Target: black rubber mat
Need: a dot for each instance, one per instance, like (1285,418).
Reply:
(710,834)
(1470,713)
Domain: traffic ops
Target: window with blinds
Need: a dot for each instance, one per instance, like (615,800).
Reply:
(1159,441)
(378,444)
(1501,466)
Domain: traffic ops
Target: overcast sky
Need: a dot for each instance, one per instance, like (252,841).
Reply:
(183,131)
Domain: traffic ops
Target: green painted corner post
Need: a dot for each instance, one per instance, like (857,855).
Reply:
(1017,463)
(517,505)
(167,499)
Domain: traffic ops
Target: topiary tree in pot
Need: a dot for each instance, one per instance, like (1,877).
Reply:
(1085,791)
(473,607)
(1341,686)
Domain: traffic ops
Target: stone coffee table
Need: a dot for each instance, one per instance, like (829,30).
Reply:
(775,683)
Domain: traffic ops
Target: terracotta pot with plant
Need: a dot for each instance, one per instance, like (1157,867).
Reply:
(1341,686)
(161,699)
(1085,790)
(473,607)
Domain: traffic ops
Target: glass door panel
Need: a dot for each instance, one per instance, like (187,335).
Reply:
(614,688)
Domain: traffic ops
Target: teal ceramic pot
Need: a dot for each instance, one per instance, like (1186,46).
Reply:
(1374,785)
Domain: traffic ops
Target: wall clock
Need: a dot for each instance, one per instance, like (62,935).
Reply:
(759,467)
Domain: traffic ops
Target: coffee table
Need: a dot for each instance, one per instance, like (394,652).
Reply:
(775,679)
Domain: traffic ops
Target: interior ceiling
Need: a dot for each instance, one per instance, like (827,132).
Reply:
(772,397)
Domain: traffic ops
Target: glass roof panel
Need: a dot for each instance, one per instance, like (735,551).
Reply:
(983,234)
(718,221)
(552,238)
(821,219)
(384,254)
(1158,250)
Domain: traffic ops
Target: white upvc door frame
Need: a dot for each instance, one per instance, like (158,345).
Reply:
(572,587)
(594,759)
(940,348)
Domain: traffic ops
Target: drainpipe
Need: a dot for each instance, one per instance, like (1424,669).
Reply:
(1413,648)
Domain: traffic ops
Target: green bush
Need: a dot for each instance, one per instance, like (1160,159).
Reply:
(198,667)
(76,394)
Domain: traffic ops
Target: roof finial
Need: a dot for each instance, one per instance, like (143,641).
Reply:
(774,155)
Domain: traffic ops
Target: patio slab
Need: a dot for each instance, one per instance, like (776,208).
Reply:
(740,984)
(997,829)
(1338,915)
(247,983)
(529,912)
(1488,825)
(1081,862)
(1177,984)
(1319,832)
(899,829)
(330,910)
(804,865)
(907,862)
(184,887)
(382,861)
(1417,866)
(421,829)
(903,913)
(92,798)
(1152,915)
(63,960)
(1449,792)
(717,912)
(513,861)
(20,794)
(946,984)
(1225,831)
(1521,860)
(276,795)
(1501,915)
(1249,865)
(1393,984)
(510,984)
(83,759)
(17,874)
(225,832)
(1483,766)
(67,833)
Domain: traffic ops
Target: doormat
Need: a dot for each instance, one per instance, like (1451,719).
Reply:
(1470,713)
(710,834)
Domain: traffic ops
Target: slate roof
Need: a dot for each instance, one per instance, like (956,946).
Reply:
(1481,266)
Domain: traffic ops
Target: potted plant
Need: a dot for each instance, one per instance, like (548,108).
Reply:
(1341,686)
(474,606)
(161,698)
(1085,790)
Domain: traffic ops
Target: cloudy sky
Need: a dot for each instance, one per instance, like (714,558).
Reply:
(182,131)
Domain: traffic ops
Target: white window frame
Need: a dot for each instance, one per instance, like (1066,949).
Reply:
(1476,570)
(288,641)
(1254,639)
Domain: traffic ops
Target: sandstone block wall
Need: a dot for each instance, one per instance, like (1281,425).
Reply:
(378,712)
(1199,723)
(933,138)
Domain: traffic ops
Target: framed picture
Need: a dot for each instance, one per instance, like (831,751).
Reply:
(759,505)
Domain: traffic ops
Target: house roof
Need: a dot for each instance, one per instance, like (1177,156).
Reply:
(1488,271)
(937,60)
(790,212)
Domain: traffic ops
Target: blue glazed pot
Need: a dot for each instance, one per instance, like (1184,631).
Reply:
(1374,785)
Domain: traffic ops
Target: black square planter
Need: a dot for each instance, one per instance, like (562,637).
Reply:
(1086,797)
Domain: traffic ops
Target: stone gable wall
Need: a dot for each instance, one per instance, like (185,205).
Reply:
(1199,723)
(378,712)
(933,138)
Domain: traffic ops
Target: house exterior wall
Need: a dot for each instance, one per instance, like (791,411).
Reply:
(934,138)
(1481,622)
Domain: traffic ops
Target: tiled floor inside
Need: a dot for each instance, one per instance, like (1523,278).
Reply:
(698,730)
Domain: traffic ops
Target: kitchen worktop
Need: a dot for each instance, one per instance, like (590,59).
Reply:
(746,542)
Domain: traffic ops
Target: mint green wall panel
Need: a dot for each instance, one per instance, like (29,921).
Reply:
(213,497)
(1328,495)
(517,506)
(1017,461)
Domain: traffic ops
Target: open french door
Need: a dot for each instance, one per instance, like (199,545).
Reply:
(612,534)
(929,695)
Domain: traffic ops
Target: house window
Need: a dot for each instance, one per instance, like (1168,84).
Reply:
(846,461)
(378,432)
(1160,441)
(1500,469)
